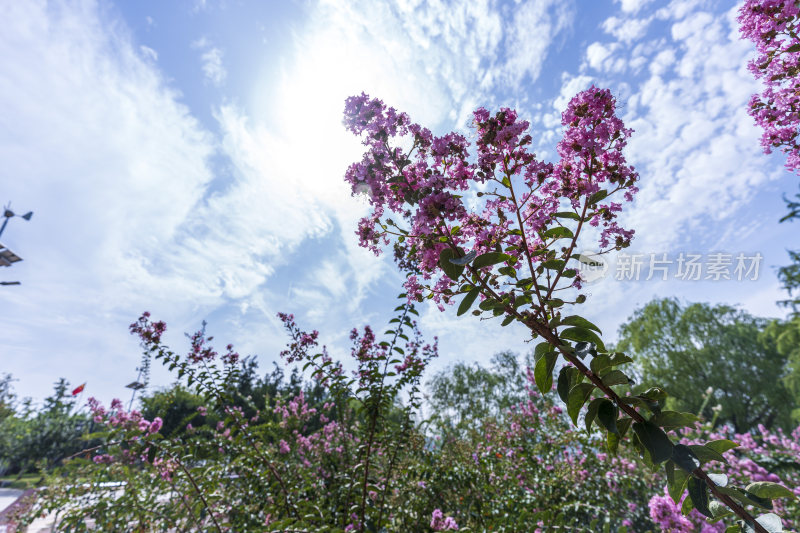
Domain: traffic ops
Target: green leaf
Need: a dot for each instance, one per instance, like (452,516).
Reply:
(719,511)
(684,457)
(698,492)
(596,197)
(567,377)
(722,445)
(452,271)
(508,320)
(706,454)
(771,491)
(746,498)
(676,481)
(541,349)
(600,363)
(614,377)
(575,320)
(654,440)
(579,334)
(607,414)
(554,264)
(491,258)
(567,214)
(591,412)
(467,302)
(508,271)
(543,371)
(655,394)
(674,419)
(769,521)
(623,425)
(794,48)
(688,505)
(558,232)
(577,397)
(488,304)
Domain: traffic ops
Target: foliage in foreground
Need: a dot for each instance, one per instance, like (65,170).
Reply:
(352,460)
(33,438)
(514,465)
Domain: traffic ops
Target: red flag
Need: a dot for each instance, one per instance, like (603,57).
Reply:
(78,390)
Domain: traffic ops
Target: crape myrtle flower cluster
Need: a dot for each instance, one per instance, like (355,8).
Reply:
(773,25)
(504,226)
(372,356)
(757,451)
(439,522)
(523,204)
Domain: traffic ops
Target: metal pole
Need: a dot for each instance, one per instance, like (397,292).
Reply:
(130,405)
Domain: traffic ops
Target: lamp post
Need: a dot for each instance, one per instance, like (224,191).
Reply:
(7,257)
(9,214)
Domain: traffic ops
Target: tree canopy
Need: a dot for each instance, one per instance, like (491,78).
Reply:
(689,348)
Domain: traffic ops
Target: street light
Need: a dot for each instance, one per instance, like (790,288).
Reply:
(9,214)
(7,257)
(135,386)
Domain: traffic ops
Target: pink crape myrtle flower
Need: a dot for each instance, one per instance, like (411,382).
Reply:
(773,26)
(419,196)
(441,523)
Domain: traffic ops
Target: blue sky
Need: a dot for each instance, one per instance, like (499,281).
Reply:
(186,158)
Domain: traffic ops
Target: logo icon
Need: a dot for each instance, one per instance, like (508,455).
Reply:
(592,266)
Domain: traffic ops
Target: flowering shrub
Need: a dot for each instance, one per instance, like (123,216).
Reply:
(511,243)
(331,467)
(526,469)
(762,457)
(773,25)
(522,469)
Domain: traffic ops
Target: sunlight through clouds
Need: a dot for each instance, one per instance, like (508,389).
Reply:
(163,178)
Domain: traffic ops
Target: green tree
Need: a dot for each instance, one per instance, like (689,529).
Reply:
(690,348)
(7,397)
(176,406)
(463,394)
(789,275)
(786,336)
(43,436)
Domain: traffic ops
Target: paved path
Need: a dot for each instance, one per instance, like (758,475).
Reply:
(7,497)
(40,525)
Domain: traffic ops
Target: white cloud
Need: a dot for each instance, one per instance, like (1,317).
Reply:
(110,162)
(149,53)
(626,29)
(531,31)
(694,146)
(632,6)
(600,57)
(211,59)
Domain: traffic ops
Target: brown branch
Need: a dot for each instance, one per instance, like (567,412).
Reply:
(552,338)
